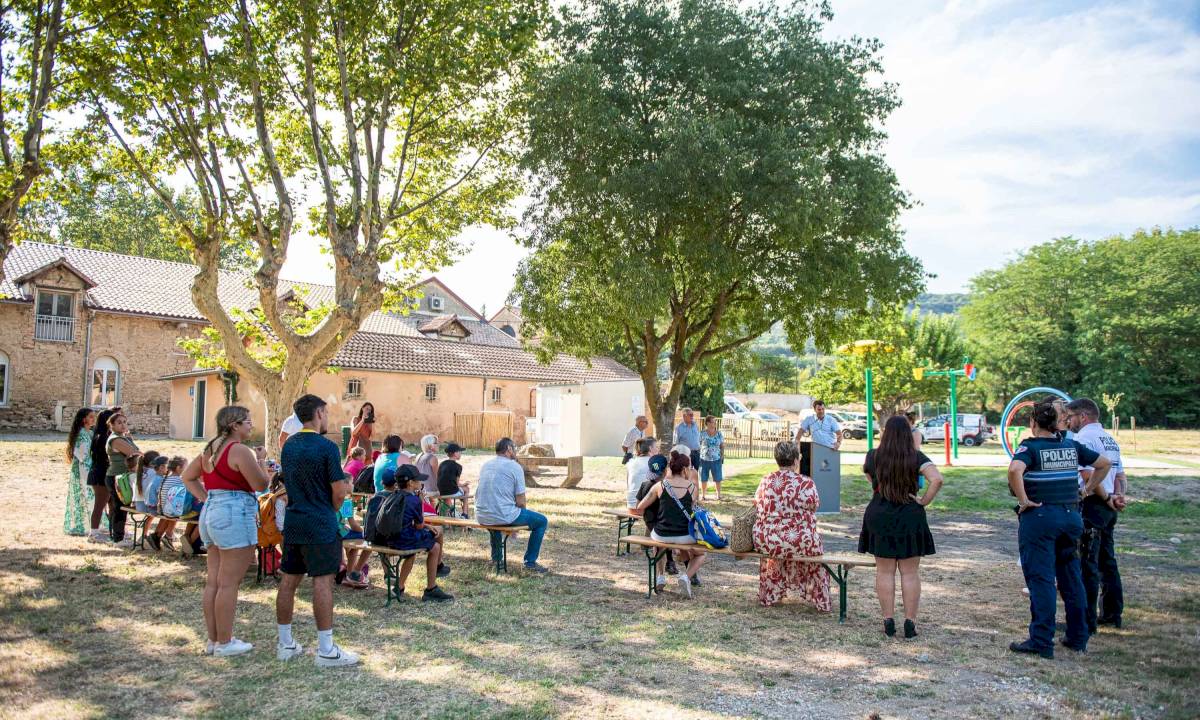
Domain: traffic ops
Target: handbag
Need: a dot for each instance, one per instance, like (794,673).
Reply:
(702,525)
(741,539)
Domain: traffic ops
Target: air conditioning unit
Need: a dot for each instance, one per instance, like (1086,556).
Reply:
(436,303)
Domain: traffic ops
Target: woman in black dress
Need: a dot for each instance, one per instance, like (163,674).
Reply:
(895,529)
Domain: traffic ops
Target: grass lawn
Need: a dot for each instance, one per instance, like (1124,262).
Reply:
(95,632)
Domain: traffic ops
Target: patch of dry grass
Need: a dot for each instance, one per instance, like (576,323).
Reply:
(91,632)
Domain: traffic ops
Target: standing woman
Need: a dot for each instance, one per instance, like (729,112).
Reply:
(427,463)
(96,473)
(79,454)
(785,526)
(712,457)
(895,529)
(122,459)
(226,474)
(362,428)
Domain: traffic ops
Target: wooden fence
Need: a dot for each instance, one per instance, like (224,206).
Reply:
(482,429)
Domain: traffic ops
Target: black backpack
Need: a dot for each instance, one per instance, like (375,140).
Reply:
(650,515)
(364,481)
(389,518)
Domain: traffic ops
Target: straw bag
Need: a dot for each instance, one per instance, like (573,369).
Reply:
(742,538)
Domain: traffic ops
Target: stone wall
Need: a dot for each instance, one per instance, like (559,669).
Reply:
(47,380)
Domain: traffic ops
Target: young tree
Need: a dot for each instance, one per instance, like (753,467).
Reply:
(30,35)
(387,122)
(908,340)
(701,171)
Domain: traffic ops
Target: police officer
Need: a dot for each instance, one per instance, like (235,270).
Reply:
(1044,476)
(1101,578)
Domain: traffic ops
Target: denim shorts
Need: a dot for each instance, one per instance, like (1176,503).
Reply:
(229,520)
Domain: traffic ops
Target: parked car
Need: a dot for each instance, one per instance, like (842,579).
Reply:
(972,429)
(765,426)
(734,408)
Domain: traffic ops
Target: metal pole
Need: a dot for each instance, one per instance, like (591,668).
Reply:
(946,441)
(870,412)
(954,412)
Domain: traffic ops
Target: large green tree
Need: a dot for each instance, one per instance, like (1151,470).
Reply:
(382,127)
(1121,315)
(907,340)
(701,170)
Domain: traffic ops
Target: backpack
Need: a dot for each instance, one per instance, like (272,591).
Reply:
(702,525)
(124,488)
(364,481)
(650,514)
(268,531)
(389,518)
(173,502)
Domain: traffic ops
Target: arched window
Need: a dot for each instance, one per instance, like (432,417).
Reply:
(508,329)
(106,379)
(4,379)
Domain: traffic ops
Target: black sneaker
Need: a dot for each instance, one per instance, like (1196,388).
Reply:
(1114,621)
(671,569)
(443,570)
(1071,647)
(889,627)
(1029,649)
(534,567)
(696,580)
(436,594)
(155,541)
(910,629)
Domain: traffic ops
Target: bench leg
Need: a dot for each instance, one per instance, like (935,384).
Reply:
(391,576)
(624,527)
(653,555)
(139,540)
(499,544)
(258,576)
(841,576)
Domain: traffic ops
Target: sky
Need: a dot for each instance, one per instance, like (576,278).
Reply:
(1020,122)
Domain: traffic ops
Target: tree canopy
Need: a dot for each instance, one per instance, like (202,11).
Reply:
(1121,315)
(700,171)
(908,340)
(381,127)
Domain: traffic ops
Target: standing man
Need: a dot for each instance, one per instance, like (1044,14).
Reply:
(312,545)
(500,500)
(637,432)
(688,433)
(1101,578)
(823,428)
(1044,477)
(291,426)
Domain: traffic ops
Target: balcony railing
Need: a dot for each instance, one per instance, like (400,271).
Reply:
(54,328)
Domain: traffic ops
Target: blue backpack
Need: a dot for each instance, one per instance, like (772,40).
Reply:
(702,525)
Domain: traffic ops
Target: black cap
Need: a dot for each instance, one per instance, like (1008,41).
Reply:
(453,447)
(658,464)
(407,472)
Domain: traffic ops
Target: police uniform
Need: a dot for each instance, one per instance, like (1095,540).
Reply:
(1101,578)
(1049,535)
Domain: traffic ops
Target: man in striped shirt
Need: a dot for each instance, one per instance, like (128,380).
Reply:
(1044,477)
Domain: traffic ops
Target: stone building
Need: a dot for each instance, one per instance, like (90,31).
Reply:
(82,326)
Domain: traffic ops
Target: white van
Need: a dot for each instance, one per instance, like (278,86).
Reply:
(972,429)
(734,408)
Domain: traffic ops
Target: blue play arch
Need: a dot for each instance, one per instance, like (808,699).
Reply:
(1013,405)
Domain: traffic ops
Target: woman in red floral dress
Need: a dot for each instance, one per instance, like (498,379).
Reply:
(786,527)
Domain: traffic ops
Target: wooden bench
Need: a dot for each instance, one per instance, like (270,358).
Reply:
(140,519)
(838,566)
(573,464)
(625,524)
(498,534)
(391,560)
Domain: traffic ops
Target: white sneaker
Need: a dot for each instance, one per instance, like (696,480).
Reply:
(97,537)
(125,543)
(231,648)
(337,658)
(209,646)
(685,585)
(287,652)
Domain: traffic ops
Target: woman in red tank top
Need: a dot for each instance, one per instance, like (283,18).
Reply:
(226,475)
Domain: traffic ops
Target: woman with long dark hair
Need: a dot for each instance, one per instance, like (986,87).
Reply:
(226,474)
(362,428)
(79,454)
(675,495)
(97,471)
(895,529)
(124,458)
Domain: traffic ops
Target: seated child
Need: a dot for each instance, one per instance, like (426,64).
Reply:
(175,501)
(357,461)
(350,529)
(416,535)
(448,483)
(144,469)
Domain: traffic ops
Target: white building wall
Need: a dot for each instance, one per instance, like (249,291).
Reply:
(609,409)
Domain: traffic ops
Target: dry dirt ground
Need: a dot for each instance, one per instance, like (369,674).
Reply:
(89,631)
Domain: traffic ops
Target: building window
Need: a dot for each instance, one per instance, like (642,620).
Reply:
(354,388)
(55,318)
(106,379)
(4,365)
(497,395)
(508,330)
(431,391)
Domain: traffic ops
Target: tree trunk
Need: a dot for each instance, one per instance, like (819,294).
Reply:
(664,424)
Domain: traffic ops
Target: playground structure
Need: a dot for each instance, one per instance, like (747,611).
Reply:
(1020,401)
(968,371)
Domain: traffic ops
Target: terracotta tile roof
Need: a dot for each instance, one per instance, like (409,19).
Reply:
(385,342)
(392,353)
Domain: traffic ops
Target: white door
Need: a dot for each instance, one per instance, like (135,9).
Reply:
(550,412)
